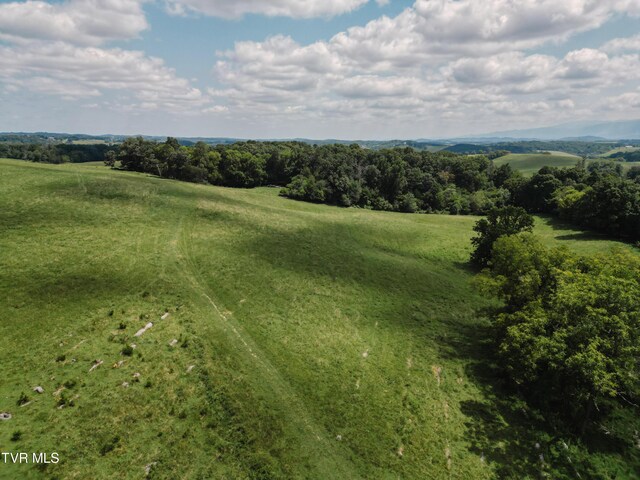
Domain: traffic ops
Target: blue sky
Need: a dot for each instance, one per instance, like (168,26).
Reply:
(316,68)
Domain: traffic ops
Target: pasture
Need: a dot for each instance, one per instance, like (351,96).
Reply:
(301,341)
(530,163)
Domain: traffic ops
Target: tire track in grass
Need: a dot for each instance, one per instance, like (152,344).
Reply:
(320,448)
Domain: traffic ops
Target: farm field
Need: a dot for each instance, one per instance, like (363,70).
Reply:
(301,341)
(530,163)
(619,150)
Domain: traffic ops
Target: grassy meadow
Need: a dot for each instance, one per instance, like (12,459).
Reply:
(313,342)
(530,163)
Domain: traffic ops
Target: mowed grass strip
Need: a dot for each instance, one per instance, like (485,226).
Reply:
(313,342)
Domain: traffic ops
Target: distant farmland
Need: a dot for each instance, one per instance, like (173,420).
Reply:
(530,163)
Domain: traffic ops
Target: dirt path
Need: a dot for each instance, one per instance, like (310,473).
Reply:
(317,446)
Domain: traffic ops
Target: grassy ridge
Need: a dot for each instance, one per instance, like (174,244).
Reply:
(313,342)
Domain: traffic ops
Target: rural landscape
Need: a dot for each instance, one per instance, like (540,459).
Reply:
(265,240)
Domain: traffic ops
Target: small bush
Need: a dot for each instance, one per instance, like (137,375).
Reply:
(61,358)
(127,351)
(63,401)
(109,445)
(69,384)
(17,435)
(23,399)
(122,326)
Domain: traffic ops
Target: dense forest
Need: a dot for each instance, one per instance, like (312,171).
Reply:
(597,196)
(54,152)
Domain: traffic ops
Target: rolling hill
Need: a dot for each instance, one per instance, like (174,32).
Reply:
(585,130)
(279,339)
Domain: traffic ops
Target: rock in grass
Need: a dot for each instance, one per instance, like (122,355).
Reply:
(143,329)
(96,364)
(38,389)
(173,342)
(147,468)
(5,416)
(165,316)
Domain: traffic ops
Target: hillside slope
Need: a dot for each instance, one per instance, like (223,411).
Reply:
(312,341)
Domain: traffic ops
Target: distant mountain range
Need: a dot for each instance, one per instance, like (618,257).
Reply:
(577,131)
(574,131)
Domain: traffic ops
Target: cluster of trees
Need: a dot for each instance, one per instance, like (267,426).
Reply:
(242,164)
(568,335)
(400,179)
(598,196)
(633,156)
(55,152)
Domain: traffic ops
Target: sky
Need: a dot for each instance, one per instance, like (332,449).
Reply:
(343,69)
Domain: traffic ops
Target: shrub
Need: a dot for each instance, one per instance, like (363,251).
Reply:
(127,351)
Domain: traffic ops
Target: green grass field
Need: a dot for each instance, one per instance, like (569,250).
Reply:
(313,342)
(620,149)
(530,163)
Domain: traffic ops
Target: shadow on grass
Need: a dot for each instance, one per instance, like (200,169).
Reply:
(517,441)
(520,441)
(579,233)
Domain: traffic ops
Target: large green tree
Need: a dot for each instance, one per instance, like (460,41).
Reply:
(569,333)
(499,222)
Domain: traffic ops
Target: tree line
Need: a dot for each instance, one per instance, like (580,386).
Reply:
(596,196)
(55,152)
(631,156)
(579,148)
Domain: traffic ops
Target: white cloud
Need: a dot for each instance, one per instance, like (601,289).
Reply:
(278,75)
(436,29)
(75,72)
(627,102)
(271,8)
(461,62)
(511,68)
(85,22)
(623,44)
(55,49)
